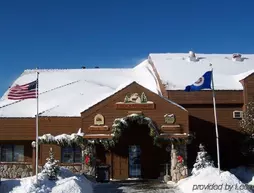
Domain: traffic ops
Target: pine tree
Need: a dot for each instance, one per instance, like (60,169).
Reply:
(126,99)
(51,168)
(247,125)
(203,160)
(143,98)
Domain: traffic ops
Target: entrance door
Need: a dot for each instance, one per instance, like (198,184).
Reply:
(134,161)
(120,164)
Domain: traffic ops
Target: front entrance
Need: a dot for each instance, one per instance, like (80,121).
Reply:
(135,155)
(134,161)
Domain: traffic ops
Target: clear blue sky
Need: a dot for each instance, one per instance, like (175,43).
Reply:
(116,33)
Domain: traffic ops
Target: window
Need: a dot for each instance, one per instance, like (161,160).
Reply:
(12,153)
(71,154)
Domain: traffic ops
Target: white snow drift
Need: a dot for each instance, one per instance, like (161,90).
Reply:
(209,181)
(67,182)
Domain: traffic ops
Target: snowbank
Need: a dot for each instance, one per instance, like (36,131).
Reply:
(67,182)
(209,181)
(245,174)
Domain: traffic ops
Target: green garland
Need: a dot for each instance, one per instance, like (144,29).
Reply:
(120,124)
(63,140)
(177,141)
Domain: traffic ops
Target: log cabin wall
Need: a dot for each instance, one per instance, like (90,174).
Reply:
(107,108)
(201,122)
(24,128)
(248,93)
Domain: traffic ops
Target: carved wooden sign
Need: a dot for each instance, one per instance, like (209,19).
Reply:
(99,119)
(171,128)
(170,118)
(98,128)
(135,101)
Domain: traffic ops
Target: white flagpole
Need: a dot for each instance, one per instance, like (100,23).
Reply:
(216,123)
(37,127)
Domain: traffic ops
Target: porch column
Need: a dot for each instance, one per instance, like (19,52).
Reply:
(179,169)
(82,158)
(89,152)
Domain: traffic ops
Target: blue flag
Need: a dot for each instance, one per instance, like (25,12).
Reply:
(203,82)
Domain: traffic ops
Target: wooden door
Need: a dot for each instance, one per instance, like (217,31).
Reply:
(120,167)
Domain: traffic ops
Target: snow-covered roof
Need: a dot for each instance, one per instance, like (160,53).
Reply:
(68,92)
(177,71)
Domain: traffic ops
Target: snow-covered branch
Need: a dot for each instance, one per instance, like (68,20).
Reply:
(63,139)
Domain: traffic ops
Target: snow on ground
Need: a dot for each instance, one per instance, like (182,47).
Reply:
(130,186)
(67,182)
(245,174)
(209,181)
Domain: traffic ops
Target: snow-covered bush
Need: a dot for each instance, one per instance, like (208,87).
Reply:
(51,168)
(203,160)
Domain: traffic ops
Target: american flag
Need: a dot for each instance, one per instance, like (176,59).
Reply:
(25,91)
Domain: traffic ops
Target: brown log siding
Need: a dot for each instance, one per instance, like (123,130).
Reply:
(205,97)
(108,110)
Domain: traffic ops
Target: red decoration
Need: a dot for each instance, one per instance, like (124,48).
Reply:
(87,159)
(180,159)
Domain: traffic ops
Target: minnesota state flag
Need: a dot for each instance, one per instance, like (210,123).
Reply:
(204,82)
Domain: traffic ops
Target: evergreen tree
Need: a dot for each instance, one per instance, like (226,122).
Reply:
(202,161)
(143,98)
(126,99)
(51,168)
(247,125)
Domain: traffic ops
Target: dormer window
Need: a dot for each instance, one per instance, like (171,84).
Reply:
(192,56)
(237,57)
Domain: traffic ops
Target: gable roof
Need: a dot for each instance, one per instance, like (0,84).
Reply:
(67,92)
(176,71)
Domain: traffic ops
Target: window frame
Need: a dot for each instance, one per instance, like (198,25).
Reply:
(13,153)
(74,158)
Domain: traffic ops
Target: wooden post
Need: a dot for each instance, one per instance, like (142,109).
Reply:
(83,158)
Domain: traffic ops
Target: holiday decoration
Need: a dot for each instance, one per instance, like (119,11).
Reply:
(169,118)
(87,160)
(122,123)
(180,159)
(98,119)
(63,139)
(51,168)
(203,160)
(178,169)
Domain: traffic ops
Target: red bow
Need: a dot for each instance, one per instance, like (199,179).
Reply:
(87,159)
(180,159)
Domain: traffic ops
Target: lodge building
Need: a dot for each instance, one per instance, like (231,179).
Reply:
(147,98)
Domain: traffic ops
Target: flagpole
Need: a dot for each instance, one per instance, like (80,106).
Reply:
(216,123)
(37,126)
